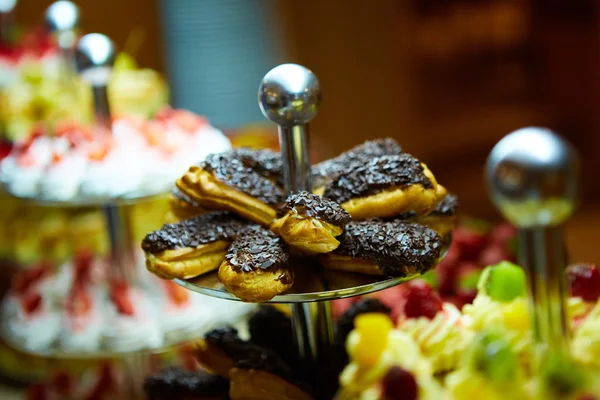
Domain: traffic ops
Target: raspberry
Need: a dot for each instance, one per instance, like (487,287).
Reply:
(502,234)
(399,384)
(31,302)
(119,294)
(585,281)
(422,301)
(470,242)
(493,254)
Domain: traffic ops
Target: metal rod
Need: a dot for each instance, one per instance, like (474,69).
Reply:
(120,239)
(295,151)
(543,256)
(101,107)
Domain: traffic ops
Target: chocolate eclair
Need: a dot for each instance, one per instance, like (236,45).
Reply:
(191,247)
(442,219)
(398,249)
(221,349)
(256,267)
(178,384)
(310,223)
(386,186)
(182,207)
(272,330)
(236,182)
(357,155)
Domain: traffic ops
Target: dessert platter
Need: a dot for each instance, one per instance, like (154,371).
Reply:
(260,227)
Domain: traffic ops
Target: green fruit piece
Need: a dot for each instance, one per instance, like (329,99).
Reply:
(470,280)
(493,357)
(505,282)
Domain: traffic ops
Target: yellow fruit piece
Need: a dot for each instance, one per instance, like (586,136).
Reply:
(516,316)
(373,332)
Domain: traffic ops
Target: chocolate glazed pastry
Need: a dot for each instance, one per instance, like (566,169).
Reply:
(191,247)
(182,207)
(256,267)
(272,329)
(178,384)
(356,156)
(385,187)
(395,249)
(310,223)
(241,181)
(442,219)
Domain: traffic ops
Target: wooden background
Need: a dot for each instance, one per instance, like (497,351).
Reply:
(390,69)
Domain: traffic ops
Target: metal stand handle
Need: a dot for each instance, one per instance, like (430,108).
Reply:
(62,19)
(6,20)
(94,58)
(290,95)
(532,176)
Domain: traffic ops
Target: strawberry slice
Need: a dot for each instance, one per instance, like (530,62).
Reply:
(176,293)
(188,121)
(79,302)
(23,281)
(5,149)
(31,302)
(119,295)
(82,265)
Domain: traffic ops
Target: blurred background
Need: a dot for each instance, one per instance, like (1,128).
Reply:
(446,78)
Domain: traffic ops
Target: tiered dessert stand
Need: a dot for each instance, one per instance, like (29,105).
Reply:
(94,57)
(532,176)
(290,95)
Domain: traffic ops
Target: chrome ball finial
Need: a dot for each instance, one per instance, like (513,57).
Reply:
(289,95)
(532,176)
(94,58)
(7,6)
(62,16)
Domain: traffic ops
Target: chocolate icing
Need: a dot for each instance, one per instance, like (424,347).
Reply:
(175,383)
(257,248)
(272,329)
(178,194)
(357,155)
(445,208)
(265,162)
(375,176)
(392,245)
(231,169)
(246,354)
(314,206)
(203,229)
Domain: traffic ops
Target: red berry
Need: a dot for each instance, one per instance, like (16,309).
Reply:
(119,294)
(470,242)
(502,233)
(465,296)
(422,301)
(399,384)
(83,266)
(31,302)
(104,385)
(585,281)
(493,254)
